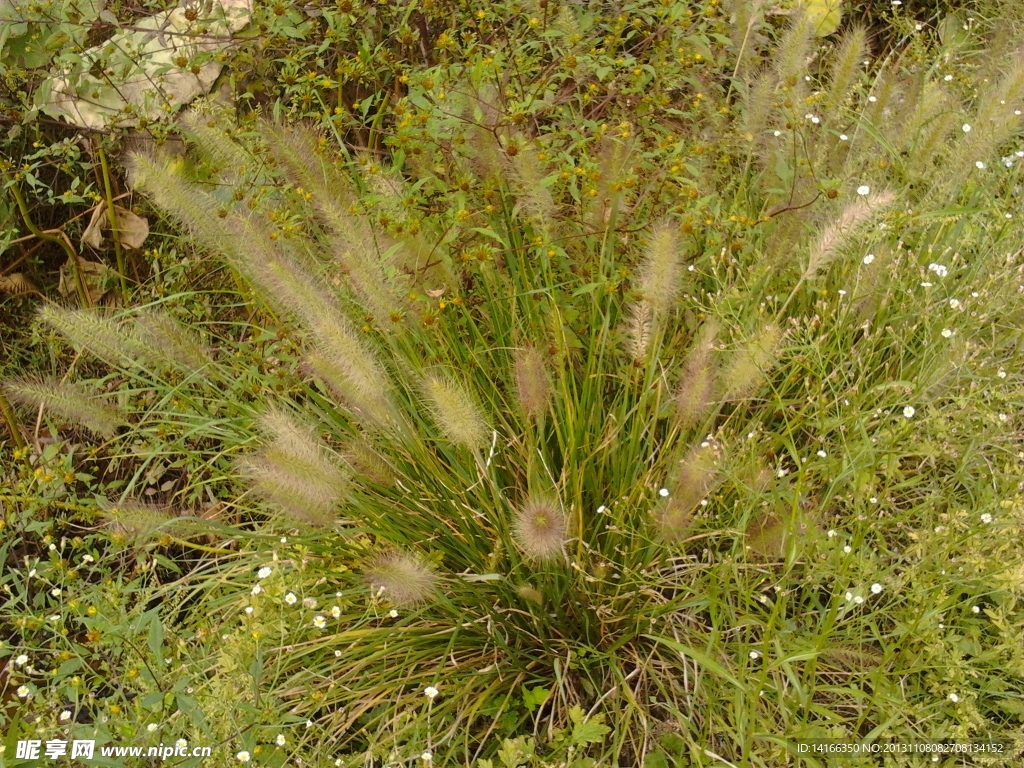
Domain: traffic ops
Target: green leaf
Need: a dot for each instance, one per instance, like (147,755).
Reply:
(824,15)
(534,697)
(591,731)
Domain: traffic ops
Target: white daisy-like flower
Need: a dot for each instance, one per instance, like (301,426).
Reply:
(954,303)
(256,589)
(966,127)
(869,258)
(393,613)
(755,655)
(863,189)
(975,609)
(822,454)
(152,727)
(832,533)
(65,715)
(291,599)
(248,610)
(873,500)
(663,492)
(876,588)
(319,622)
(426,757)
(55,592)
(263,572)
(849,596)
(777,133)
(181,744)
(602,509)
(88,559)
(946,333)
(843,137)
(335,612)
(986,518)
(23,691)
(337,654)
(947,78)
(1001,373)
(847,549)
(430,692)
(954,698)
(280,740)
(284,539)
(858,599)
(21,660)
(980,165)
(908,412)
(873,99)
(939,269)
(243,757)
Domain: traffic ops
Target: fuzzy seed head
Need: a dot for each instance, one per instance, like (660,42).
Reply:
(455,412)
(296,471)
(540,528)
(693,479)
(71,401)
(750,364)
(840,232)
(660,273)
(531,382)
(694,391)
(405,578)
(88,330)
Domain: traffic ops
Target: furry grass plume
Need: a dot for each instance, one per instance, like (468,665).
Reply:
(540,527)
(69,400)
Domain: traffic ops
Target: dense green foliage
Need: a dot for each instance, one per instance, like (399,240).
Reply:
(591,386)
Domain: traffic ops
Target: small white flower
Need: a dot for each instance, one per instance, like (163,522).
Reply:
(337,654)
(335,612)
(832,533)
(954,303)
(309,602)
(1003,417)
(430,692)
(918,27)
(601,510)
(863,189)
(858,599)
(876,588)
(939,269)
(32,573)
(248,610)
(947,78)
(946,333)
(979,165)
(393,613)
(815,119)
(755,655)
(873,500)
(309,723)
(822,454)
(263,572)
(65,715)
(847,549)
(426,757)
(849,596)
(291,599)
(284,539)
(663,492)
(954,698)
(152,727)
(181,743)
(986,518)
(280,740)
(23,691)
(1001,374)
(243,756)
(87,559)
(257,589)
(21,660)
(869,258)
(843,137)
(909,412)
(975,609)
(873,99)
(966,127)
(319,622)
(926,285)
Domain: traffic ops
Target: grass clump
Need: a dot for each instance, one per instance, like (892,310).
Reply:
(590,440)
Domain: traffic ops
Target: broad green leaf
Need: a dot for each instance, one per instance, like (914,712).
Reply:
(824,15)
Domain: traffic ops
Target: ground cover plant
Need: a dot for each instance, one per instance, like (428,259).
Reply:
(601,410)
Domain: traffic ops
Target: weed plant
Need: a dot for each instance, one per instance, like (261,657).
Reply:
(586,439)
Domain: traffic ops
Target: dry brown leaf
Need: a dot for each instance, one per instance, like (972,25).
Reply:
(132,228)
(16,284)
